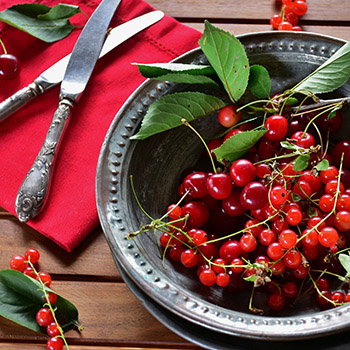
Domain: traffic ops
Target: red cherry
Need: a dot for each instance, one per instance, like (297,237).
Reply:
(277,127)
(228,117)
(242,172)
(219,186)
(9,66)
(304,140)
(254,196)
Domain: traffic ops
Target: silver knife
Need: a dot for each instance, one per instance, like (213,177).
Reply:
(53,75)
(34,189)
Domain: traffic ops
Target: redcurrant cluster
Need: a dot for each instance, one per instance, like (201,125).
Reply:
(288,18)
(260,220)
(44,316)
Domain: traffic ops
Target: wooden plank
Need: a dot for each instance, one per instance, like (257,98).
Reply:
(340,32)
(91,258)
(110,314)
(250,10)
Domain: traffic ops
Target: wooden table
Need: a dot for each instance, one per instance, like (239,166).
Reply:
(113,317)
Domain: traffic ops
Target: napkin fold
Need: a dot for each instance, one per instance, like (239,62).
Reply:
(70,213)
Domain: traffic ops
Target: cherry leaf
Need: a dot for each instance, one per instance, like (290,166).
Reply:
(322,165)
(227,56)
(154,70)
(189,79)
(41,21)
(302,162)
(21,298)
(237,145)
(259,81)
(168,111)
(331,75)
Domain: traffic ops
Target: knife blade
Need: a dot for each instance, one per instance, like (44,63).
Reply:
(52,76)
(34,189)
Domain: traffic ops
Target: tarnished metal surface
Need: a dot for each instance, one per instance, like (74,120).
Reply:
(156,164)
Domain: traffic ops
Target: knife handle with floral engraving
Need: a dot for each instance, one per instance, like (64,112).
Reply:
(19,99)
(34,189)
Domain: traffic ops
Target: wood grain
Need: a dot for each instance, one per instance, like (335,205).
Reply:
(109,313)
(251,10)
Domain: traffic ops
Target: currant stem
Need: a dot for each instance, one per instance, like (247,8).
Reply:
(46,297)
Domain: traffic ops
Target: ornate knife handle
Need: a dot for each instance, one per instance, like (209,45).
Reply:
(33,192)
(19,99)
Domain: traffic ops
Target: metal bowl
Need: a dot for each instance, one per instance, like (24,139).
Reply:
(156,164)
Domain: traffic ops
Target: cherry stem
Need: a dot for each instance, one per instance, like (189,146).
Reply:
(320,104)
(205,145)
(3,46)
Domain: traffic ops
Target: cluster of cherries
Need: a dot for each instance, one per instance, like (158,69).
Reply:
(288,19)
(9,64)
(44,316)
(260,220)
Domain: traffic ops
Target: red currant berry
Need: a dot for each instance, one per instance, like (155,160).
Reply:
(294,216)
(332,187)
(299,7)
(266,237)
(302,188)
(310,238)
(276,302)
(331,173)
(52,330)
(44,317)
(29,272)
(54,344)
(52,297)
(253,226)
(285,26)
(287,239)
(228,117)
(322,284)
(313,180)
(275,21)
(290,290)
(32,255)
(219,186)
(242,172)
(18,263)
(277,267)
(342,221)
(326,203)
(292,259)
(222,279)
(199,236)
(175,252)
(174,211)
(45,278)
(300,272)
(277,127)
(324,297)
(189,258)
(218,265)
(230,250)
(278,196)
(328,236)
(248,243)
(207,277)
(275,251)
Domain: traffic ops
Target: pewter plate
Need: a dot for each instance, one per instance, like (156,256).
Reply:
(156,164)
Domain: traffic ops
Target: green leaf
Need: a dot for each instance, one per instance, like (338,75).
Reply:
(291,101)
(189,79)
(21,298)
(330,75)
(259,81)
(155,70)
(302,162)
(251,278)
(237,145)
(311,212)
(168,111)
(227,56)
(60,11)
(41,21)
(322,165)
(345,262)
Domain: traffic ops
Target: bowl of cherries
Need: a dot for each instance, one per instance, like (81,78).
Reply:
(223,187)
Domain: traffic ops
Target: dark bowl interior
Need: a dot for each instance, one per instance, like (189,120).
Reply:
(156,165)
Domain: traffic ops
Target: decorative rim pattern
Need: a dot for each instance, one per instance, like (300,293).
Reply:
(112,202)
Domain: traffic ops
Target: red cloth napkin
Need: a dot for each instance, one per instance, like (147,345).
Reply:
(70,213)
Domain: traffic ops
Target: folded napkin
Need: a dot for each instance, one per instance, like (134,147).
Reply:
(70,213)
